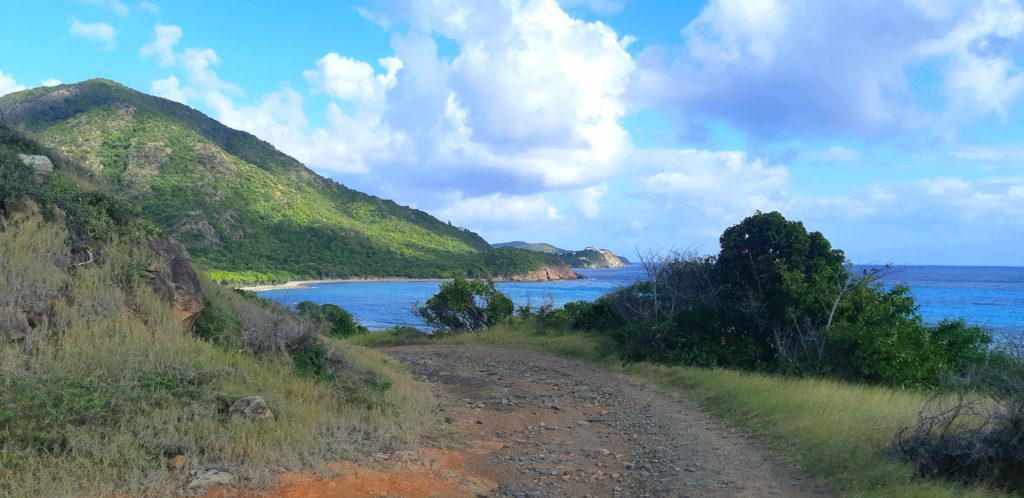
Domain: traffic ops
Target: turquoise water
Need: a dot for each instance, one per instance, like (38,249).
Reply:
(989,296)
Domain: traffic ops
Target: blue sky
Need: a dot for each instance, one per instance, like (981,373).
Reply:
(893,127)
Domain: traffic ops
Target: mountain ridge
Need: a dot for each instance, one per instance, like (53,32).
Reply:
(245,210)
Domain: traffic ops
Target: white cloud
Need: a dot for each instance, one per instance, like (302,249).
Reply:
(721,185)
(522,210)
(165,38)
(169,88)
(374,17)
(8,85)
(980,75)
(150,7)
(598,6)
(588,200)
(199,64)
(114,6)
(97,31)
(355,81)
(809,69)
(50,82)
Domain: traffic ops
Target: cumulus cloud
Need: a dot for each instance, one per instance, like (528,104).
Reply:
(165,38)
(96,31)
(501,208)
(980,71)
(790,67)
(721,185)
(8,85)
(50,82)
(355,81)
(169,88)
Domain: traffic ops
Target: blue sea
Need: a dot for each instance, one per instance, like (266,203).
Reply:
(988,296)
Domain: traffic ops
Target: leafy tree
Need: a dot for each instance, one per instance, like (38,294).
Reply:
(776,277)
(339,322)
(466,305)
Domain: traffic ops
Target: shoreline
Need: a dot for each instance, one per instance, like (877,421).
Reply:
(303,284)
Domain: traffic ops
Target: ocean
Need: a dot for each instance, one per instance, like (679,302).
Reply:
(989,296)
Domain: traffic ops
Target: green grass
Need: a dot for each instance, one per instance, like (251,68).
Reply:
(839,432)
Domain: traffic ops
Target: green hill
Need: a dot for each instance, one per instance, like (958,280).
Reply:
(587,258)
(538,247)
(245,210)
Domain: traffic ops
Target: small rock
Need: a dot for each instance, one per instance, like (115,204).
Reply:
(211,476)
(177,463)
(605,452)
(449,420)
(252,408)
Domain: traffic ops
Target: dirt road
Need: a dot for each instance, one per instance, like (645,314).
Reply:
(542,426)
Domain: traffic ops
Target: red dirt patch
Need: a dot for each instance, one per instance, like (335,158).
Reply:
(424,473)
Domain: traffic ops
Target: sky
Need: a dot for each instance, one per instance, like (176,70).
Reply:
(894,127)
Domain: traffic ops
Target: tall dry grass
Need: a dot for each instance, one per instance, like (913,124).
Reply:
(111,386)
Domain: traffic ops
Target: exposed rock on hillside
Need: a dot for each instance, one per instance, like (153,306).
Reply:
(172,278)
(591,257)
(41,164)
(546,273)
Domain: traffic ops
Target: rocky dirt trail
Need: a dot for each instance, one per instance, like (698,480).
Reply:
(563,428)
(535,425)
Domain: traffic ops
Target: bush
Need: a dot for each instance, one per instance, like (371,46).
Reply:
(779,298)
(466,305)
(339,322)
(980,437)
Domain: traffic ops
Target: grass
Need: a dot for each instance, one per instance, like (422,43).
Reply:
(107,385)
(836,431)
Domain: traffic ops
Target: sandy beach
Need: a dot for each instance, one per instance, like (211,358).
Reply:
(299,284)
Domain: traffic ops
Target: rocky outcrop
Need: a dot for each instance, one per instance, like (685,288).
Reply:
(40,164)
(252,408)
(592,257)
(172,278)
(208,477)
(546,273)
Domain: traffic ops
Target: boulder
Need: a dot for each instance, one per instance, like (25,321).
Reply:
(207,477)
(252,408)
(172,278)
(40,164)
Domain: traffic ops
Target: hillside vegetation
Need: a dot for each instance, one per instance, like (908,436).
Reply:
(104,392)
(245,210)
(589,257)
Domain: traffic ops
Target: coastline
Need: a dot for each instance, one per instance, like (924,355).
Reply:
(302,284)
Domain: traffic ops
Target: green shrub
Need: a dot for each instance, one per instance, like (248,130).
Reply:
(466,305)
(339,323)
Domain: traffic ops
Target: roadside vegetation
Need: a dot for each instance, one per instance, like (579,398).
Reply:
(104,392)
(777,334)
